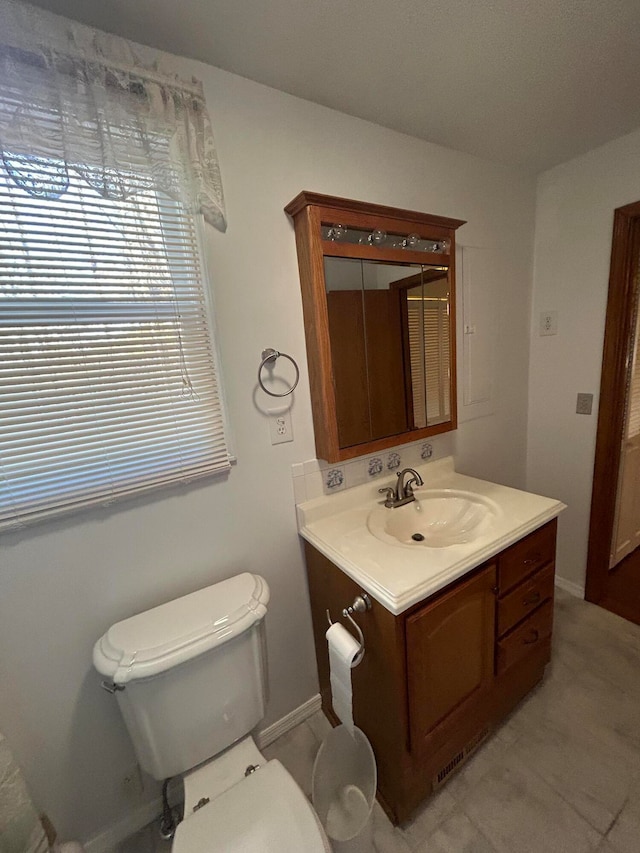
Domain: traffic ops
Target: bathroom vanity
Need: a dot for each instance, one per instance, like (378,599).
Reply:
(456,634)
(461,579)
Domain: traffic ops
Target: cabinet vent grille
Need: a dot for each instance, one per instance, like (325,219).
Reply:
(442,775)
(459,758)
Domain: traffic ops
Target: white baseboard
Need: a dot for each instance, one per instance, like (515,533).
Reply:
(570,587)
(109,838)
(288,722)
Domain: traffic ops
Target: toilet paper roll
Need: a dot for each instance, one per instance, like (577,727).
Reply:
(343,649)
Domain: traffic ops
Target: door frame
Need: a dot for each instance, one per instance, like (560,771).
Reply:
(618,339)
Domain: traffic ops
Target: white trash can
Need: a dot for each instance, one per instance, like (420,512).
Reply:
(344,790)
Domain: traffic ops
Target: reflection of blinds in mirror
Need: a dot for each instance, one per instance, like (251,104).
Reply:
(428,321)
(416,341)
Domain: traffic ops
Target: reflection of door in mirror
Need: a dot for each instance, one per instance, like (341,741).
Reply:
(365,331)
(389,336)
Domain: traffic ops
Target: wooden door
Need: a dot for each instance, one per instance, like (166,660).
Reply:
(383,335)
(450,650)
(349,358)
(613,563)
(368,372)
(626,536)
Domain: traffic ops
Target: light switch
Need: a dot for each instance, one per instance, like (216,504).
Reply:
(584,404)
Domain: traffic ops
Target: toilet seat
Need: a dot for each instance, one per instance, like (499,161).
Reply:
(264,813)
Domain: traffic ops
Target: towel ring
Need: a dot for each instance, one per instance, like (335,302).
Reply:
(269,356)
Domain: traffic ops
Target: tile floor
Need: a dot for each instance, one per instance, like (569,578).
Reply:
(562,775)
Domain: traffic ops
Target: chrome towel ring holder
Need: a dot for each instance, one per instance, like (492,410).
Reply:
(269,357)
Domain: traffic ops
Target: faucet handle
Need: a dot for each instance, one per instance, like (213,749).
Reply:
(390,493)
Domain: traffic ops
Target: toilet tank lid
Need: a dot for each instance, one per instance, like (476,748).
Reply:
(159,639)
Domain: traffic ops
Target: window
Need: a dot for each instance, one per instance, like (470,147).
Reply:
(108,381)
(107,371)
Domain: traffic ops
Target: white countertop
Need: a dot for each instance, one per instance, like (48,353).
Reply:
(398,575)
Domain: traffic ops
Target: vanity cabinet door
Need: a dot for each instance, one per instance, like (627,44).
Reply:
(450,648)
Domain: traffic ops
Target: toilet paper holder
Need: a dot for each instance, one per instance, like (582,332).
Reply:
(361,603)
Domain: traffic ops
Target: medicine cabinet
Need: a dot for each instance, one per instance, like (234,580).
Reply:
(378,295)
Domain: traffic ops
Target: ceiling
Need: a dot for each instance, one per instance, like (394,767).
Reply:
(530,83)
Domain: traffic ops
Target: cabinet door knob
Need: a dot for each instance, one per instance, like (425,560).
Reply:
(533,598)
(533,559)
(535,635)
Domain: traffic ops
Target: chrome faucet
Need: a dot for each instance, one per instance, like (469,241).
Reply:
(403,492)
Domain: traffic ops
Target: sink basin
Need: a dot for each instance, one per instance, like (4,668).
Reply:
(437,518)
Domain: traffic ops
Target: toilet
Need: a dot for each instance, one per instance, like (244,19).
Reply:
(190,677)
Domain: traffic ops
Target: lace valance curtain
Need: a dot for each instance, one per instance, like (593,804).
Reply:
(75,99)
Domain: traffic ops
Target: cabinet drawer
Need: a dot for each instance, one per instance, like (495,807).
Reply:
(526,556)
(526,637)
(524,599)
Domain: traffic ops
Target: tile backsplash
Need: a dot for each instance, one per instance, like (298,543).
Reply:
(314,478)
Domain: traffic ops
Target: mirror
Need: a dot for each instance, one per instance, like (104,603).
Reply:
(378,295)
(389,331)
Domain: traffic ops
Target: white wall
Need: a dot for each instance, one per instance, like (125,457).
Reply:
(574,224)
(62,584)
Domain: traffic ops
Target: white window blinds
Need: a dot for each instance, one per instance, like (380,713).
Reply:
(107,377)
(428,328)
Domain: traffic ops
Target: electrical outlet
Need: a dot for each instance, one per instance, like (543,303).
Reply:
(280,426)
(584,404)
(549,323)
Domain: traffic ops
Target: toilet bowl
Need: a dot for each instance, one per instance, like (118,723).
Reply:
(190,677)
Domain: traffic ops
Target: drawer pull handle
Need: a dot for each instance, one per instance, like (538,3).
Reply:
(534,598)
(530,561)
(535,636)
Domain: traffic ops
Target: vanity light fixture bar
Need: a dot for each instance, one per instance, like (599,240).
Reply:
(378,237)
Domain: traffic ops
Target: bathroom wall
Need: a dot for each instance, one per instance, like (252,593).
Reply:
(574,224)
(63,583)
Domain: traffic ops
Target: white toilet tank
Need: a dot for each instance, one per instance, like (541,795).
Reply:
(191,675)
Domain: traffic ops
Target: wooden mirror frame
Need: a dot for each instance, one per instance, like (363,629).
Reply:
(309,212)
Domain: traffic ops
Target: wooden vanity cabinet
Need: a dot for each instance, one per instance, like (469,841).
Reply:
(437,679)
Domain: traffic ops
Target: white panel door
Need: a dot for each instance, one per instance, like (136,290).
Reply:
(627,526)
